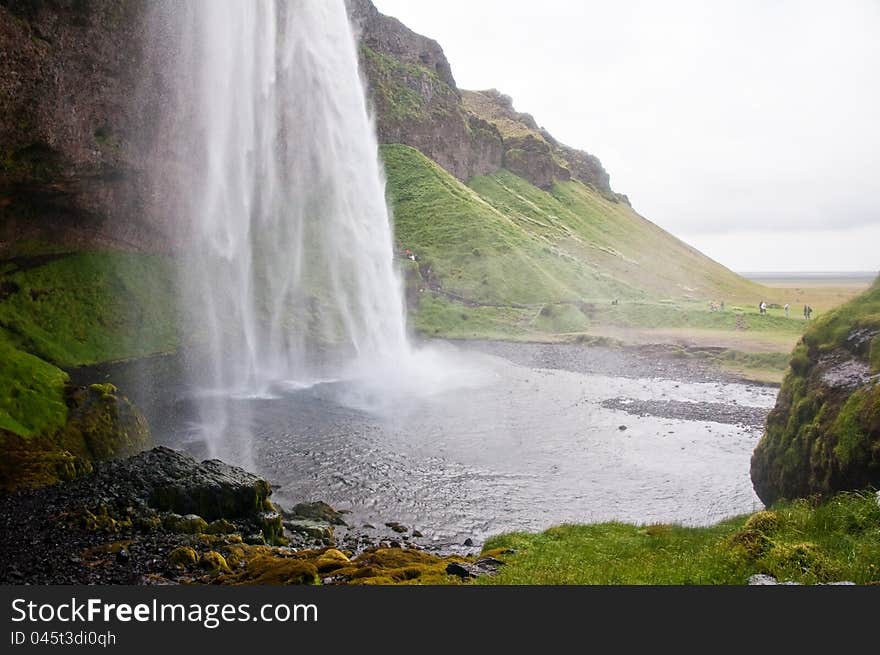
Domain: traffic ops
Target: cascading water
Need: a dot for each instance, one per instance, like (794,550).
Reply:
(289,271)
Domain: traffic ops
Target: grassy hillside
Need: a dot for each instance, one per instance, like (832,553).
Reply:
(612,239)
(503,240)
(501,257)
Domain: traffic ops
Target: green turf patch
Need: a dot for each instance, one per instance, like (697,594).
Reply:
(85,308)
(31,393)
(800,542)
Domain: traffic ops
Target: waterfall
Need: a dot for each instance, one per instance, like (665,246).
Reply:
(287,272)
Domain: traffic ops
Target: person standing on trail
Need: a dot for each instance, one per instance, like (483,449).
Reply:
(763,307)
(786,308)
(806,316)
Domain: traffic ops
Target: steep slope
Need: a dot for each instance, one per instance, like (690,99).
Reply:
(501,241)
(823,435)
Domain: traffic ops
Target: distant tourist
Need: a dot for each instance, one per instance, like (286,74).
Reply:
(763,307)
(809,312)
(805,312)
(786,308)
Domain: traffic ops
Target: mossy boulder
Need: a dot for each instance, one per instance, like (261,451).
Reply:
(823,435)
(214,562)
(189,524)
(100,424)
(183,557)
(103,424)
(269,568)
(221,526)
(331,559)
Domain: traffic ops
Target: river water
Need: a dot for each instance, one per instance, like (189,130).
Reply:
(523,439)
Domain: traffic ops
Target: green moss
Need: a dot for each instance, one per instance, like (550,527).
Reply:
(189,524)
(802,561)
(821,439)
(853,441)
(221,526)
(766,523)
(31,393)
(183,557)
(397,566)
(105,389)
(330,560)
(264,568)
(102,425)
(29,463)
(214,562)
(397,87)
(874,355)
(90,307)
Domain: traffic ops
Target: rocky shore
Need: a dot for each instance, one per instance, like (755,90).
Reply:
(161,517)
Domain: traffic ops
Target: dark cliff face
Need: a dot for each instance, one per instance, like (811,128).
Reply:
(72,138)
(416,99)
(82,100)
(468,133)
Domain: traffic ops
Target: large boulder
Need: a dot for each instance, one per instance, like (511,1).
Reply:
(823,435)
(168,480)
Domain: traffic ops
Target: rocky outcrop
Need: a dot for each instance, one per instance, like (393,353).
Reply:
(415,97)
(531,151)
(468,133)
(823,435)
(76,125)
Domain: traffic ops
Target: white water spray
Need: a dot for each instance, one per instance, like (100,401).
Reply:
(289,271)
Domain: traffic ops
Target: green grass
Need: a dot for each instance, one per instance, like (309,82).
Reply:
(685,314)
(760,367)
(89,307)
(67,310)
(500,241)
(801,542)
(832,330)
(438,316)
(31,393)
(476,251)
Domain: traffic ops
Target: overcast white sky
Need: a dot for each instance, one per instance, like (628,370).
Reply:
(748,128)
